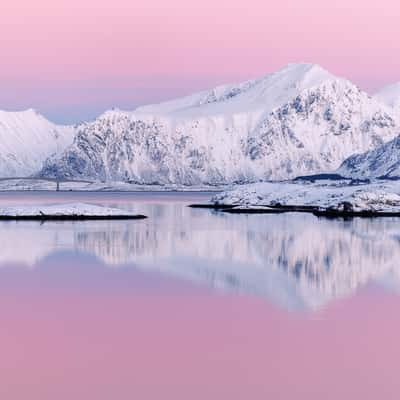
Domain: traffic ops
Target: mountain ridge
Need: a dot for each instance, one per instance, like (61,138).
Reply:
(253,94)
(27,139)
(293,122)
(299,120)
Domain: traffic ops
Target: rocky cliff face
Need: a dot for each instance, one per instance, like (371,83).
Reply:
(382,162)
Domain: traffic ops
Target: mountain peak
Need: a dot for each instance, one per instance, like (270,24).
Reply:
(307,75)
(27,139)
(27,115)
(305,69)
(260,94)
(113,112)
(31,111)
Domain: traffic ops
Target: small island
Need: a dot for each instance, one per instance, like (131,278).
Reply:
(323,198)
(63,212)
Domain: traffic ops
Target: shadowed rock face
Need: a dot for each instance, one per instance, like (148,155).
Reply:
(233,134)
(382,162)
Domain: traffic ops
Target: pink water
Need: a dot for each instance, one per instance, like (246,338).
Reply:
(96,317)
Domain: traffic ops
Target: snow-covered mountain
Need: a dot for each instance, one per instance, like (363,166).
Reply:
(27,139)
(390,95)
(297,121)
(382,162)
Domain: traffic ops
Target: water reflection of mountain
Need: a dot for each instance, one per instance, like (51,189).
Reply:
(296,260)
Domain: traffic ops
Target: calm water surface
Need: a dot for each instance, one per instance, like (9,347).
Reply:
(194,304)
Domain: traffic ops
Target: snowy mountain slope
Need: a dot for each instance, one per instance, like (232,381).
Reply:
(27,139)
(297,121)
(262,94)
(390,95)
(317,129)
(382,162)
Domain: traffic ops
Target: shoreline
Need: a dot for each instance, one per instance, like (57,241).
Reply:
(45,217)
(274,209)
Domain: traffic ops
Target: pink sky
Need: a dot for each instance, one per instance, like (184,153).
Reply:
(73,58)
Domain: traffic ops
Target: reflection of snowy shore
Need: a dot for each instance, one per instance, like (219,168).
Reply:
(296,260)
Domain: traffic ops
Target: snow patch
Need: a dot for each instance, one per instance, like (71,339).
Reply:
(27,139)
(73,209)
(374,197)
(390,95)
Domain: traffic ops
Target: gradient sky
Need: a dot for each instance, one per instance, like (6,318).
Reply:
(71,59)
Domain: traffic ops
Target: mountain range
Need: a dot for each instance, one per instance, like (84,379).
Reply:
(297,121)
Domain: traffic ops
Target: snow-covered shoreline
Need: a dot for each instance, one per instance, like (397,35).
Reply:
(43,185)
(339,197)
(66,211)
